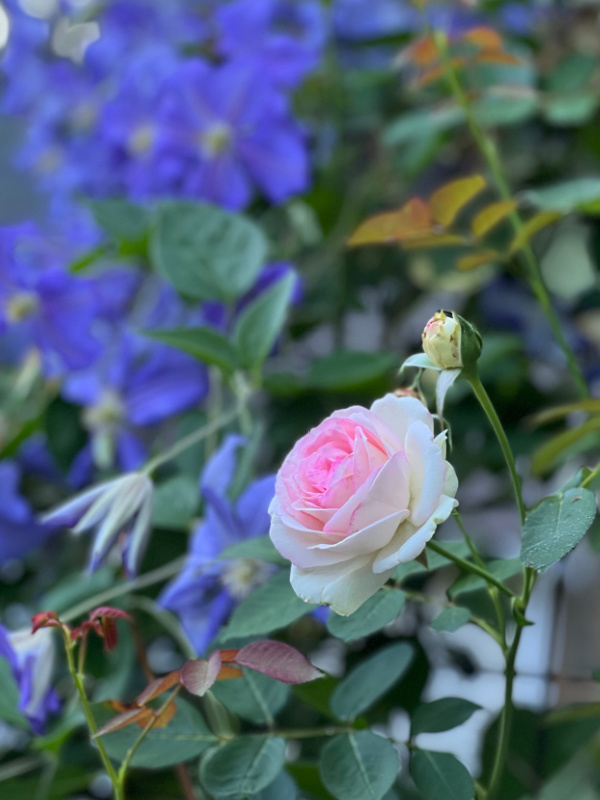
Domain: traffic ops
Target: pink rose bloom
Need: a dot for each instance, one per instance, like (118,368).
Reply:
(361,493)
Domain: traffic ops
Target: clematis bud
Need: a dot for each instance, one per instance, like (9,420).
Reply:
(450,341)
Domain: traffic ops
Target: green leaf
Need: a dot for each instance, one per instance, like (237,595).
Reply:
(10,697)
(123,221)
(555,526)
(358,766)
(185,737)
(495,110)
(571,110)
(260,547)
(260,323)
(441,775)
(269,608)
(347,369)
(410,126)
(254,697)
(203,343)
(373,615)
(451,619)
(282,788)
(441,715)
(242,767)
(572,73)
(371,679)
(206,252)
(565,197)
(175,503)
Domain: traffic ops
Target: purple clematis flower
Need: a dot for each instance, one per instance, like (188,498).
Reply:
(231,132)
(284,37)
(19,531)
(31,659)
(43,305)
(208,589)
(136,385)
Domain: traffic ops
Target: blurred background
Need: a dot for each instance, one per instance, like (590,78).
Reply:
(309,117)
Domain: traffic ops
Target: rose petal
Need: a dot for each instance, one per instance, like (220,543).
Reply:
(388,494)
(399,413)
(344,586)
(427,473)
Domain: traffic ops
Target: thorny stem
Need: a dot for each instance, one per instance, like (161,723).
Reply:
(490,154)
(93,728)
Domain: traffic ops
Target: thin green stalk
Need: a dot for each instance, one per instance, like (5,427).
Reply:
(122,776)
(490,154)
(495,597)
(467,566)
(125,587)
(487,405)
(591,477)
(93,728)
(198,436)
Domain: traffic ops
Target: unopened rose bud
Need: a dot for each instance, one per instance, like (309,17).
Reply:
(450,341)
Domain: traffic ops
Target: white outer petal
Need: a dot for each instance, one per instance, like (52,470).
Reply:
(344,587)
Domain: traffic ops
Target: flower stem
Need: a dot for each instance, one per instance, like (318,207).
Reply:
(487,405)
(143,581)
(591,477)
(202,433)
(122,776)
(467,566)
(492,589)
(91,722)
(490,154)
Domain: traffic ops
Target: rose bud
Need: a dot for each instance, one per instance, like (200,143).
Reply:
(450,341)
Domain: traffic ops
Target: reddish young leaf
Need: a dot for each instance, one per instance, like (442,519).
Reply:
(199,675)
(162,720)
(447,201)
(228,655)
(410,221)
(435,73)
(45,619)
(496,57)
(141,716)
(278,660)
(109,612)
(227,672)
(423,52)
(157,687)
(484,38)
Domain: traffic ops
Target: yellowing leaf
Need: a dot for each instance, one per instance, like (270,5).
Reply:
(477,259)
(434,74)
(531,227)
(559,447)
(484,38)
(434,240)
(592,406)
(422,53)
(412,220)
(491,215)
(450,199)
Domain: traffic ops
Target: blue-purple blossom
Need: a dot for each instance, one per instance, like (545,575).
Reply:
(232,132)
(19,530)
(43,306)
(31,659)
(208,588)
(119,508)
(284,38)
(137,384)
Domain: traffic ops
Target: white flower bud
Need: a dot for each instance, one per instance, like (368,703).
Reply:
(442,341)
